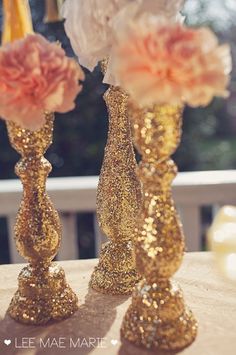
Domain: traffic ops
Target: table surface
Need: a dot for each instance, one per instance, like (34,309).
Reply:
(99,317)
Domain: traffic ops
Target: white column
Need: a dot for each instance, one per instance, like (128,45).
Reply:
(191,219)
(69,245)
(14,255)
(100,238)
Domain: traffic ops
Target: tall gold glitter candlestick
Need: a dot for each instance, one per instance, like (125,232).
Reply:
(158,317)
(118,202)
(43,292)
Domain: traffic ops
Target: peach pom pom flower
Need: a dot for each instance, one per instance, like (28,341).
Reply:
(36,77)
(171,64)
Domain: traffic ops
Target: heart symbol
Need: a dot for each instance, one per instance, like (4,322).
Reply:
(114,342)
(7,342)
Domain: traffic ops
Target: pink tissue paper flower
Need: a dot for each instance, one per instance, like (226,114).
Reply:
(36,77)
(171,64)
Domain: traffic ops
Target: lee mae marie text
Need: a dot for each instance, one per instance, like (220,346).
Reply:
(59,343)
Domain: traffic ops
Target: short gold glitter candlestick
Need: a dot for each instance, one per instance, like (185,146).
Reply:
(43,292)
(118,202)
(158,317)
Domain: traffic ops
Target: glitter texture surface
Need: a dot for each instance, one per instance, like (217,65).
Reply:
(118,202)
(158,317)
(43,293)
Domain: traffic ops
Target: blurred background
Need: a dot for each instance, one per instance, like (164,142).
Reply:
(208,136)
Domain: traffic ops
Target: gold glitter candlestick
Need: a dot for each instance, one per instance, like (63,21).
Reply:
(43,292)
(118,202)
(158,317)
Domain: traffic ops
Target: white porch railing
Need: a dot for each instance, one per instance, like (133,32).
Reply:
(192,190)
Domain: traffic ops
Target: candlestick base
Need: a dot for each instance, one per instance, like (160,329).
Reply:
(115,273)
(43,295)
(158,318)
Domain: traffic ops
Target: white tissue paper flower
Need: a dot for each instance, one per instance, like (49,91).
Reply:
(92,25)
(88,26)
